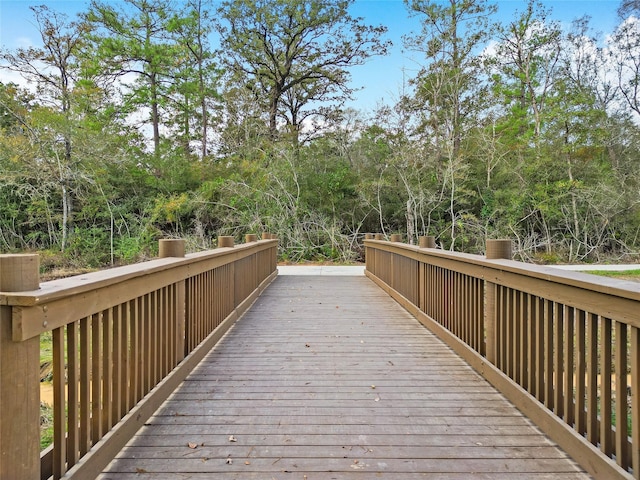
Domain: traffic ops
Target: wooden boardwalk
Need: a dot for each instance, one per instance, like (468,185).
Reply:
(328,378)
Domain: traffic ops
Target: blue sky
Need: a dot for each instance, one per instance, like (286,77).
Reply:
(381,78)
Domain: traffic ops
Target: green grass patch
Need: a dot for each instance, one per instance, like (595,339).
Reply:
(633,275)
(46,425)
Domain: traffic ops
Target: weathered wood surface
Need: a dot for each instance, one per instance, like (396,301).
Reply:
(325,377)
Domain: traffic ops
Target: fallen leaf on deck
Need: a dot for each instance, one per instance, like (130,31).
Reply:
(229,461)
(140,470)
(373,387)
(247,463)
(192,445)
(233,439)
(377,399)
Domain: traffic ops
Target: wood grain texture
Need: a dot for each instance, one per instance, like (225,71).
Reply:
(328,377)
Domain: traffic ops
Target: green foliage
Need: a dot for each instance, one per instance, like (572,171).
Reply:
(292,54)
(538,147)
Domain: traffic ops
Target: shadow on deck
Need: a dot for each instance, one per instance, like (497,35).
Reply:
(327,377)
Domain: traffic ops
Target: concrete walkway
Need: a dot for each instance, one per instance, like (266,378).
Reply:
(335,270)
(327,270)
(598,268)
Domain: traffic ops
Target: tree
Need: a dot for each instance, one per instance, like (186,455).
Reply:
(528,58)
(629,7)
(197,76)
(54,70)
(448,89)
(134,41)
(295,54)
(625,52)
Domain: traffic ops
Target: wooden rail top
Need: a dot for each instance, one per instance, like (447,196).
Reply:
(181,268)
(47,308)
(603,295)
(610,286)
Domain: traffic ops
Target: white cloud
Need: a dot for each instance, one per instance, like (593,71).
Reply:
(24,42)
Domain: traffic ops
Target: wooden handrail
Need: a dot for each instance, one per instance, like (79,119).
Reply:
(122,341)
(562,346)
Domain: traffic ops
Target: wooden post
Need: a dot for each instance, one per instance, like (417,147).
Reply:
(495,249)
(225,241)
(396,237)
(266,236)
(19,377)
(428,241)
(378,236)
(171,248)
(368,236)
(250,237)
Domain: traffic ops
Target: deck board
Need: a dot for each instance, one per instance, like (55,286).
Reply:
(328,378)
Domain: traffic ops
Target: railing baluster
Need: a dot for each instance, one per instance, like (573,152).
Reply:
(73,412)
(96,378)
(117,392)
(549,374)
(593,432)
(540,350)
(501,327)
(568,392)
(522,340)
(621,432)
(107,370)
(85,386)
(134,372)
(531,346)
(606,443)
(148,335)
(635,400)
(558,362)
(59,405)
(581,355)
(125,371)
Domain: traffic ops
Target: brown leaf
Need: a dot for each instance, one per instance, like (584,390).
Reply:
(192,445)
(140,470)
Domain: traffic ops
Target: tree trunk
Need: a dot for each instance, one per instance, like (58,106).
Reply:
(155,116)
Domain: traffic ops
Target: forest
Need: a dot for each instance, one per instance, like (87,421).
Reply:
(146,119)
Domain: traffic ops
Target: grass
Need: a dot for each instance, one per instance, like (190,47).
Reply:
(623,274)
(46,372)
(46,425)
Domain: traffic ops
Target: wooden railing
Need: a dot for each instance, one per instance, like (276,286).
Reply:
(123,339)
(564,347)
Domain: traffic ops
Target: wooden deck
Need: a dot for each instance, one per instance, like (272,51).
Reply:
(328,378)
